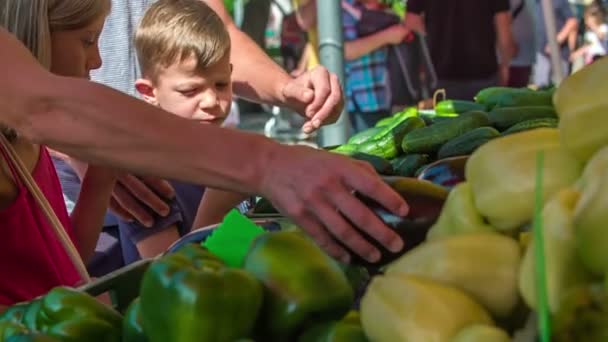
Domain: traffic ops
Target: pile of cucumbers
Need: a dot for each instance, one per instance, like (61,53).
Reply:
(406,142)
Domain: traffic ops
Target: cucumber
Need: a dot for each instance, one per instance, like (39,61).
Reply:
(429,139)
(514,97)
(532,124)
(406,166)
(467,143)
(346,149)
(503,118)
(383,122)
(388,146)
(398,119)
(434,117)
(381,165)
(457,106)
(363,136)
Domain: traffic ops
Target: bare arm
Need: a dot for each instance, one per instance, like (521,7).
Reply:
(504,37)
(88,215)
(306,14)
(415,22)
(158,243)
(247,82)
(215,205)
(565,33)
(505,45)
(317,94)
(110,128)
(392,35)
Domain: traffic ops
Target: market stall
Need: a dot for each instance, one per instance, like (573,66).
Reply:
(486,181)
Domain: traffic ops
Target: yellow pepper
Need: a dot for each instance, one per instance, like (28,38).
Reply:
(481,333)
(563,269)
(591,215)
(582,104)
(502,175)
(484,265)
(458,215)
(401,308)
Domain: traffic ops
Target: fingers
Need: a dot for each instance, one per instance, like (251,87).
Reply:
(128,203)
(322,237)
(119,211)
(362,217)
(333,105)
(344,231)
(372,186)
(144,195)
(320,82)
(160,186)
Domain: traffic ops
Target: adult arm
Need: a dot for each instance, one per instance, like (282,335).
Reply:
(315,94)
(394,34)
(107,127)
(505,44)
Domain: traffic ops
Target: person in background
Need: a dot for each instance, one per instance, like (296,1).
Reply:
(367,81)
(566,28)
(596,35)
(184,53)
(62,35)
(367,88)
(463,36)
(522,14)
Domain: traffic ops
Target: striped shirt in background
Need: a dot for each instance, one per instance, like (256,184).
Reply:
(367,80)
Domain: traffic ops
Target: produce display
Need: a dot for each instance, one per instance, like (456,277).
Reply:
(412,139)
(468,272)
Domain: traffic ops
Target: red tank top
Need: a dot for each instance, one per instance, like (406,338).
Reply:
(32,260)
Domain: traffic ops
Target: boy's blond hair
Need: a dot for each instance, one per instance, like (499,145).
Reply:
(174,30)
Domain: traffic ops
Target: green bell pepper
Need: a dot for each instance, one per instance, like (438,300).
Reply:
(70,315)
(348,329)
(10,328)
(192,296)
(23,313)
(302,284)
(132,330)
(32,337)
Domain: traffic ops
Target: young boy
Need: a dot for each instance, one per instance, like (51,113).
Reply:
(183,49)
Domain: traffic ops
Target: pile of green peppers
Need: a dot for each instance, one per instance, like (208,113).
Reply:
(287,289)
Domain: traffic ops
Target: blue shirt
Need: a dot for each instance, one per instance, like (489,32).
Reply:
(563,12)
(367,86)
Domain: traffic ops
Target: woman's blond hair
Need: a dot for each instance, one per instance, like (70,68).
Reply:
(32,21)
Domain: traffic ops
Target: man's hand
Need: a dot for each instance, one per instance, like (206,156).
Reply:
(315,189)
(317,95)
(136,198)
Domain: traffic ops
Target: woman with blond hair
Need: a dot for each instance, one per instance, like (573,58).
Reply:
(62,35)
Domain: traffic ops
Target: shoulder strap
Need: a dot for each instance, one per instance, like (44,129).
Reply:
(14,172)
(58,228)
(518,9)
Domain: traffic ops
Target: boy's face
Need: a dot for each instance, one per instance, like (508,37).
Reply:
(184,90)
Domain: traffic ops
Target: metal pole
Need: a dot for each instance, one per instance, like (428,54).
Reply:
(550,29)
(331,54)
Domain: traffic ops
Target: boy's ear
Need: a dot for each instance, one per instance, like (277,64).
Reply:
(147,91)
